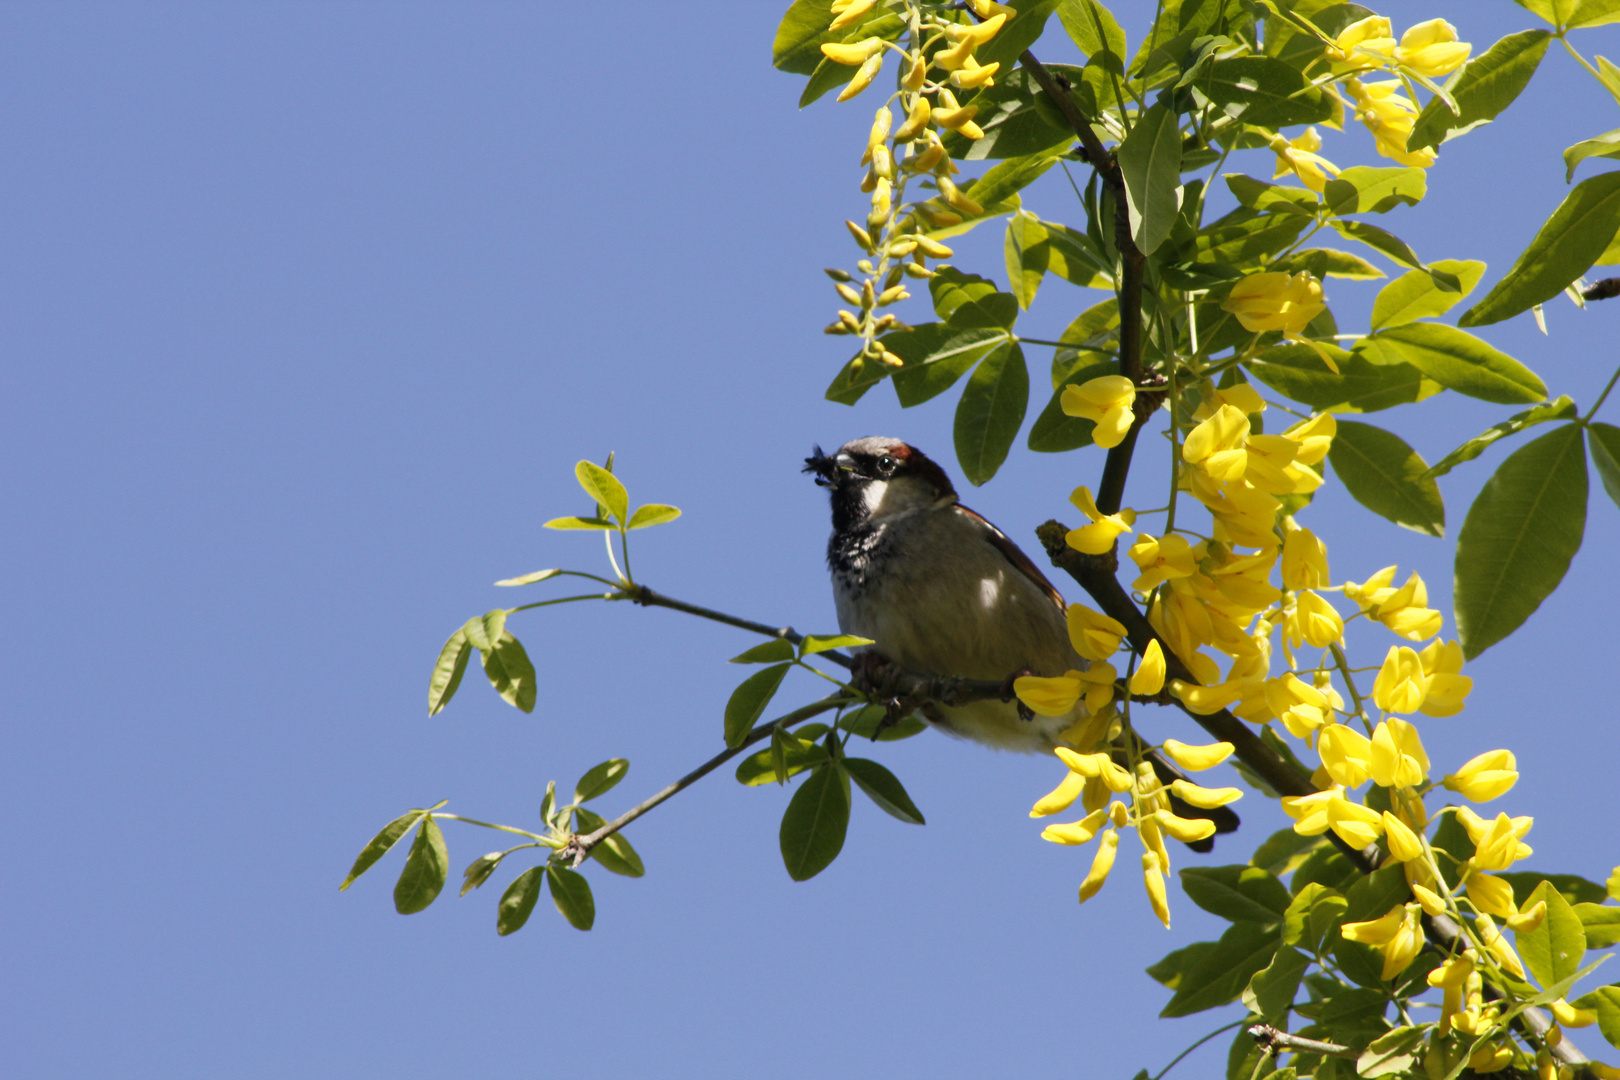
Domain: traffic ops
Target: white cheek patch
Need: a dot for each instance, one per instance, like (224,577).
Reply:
(873,495)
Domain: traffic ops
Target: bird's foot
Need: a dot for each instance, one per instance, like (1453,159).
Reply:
(1025,713)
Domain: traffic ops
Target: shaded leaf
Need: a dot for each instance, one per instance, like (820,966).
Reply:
(1484,86)
(426,868)
(815,823)
(1388,477)
(1055,431)
(796,756)
(1519,537)
(614,851)
(1005,179)
(1315,914)
(1572,887)
(600,779)
(1361,384)
(653,514)
(509,671)
(1150,162)
(1392,1053)
(1604,440)
(1282,851)
(1025,248)
(990,412)
(1263,91)
(1563,249)
(572,895)
(517,902)
(1392,247)
(936,355)
(1225,970)
(1238,893)
(478,871)
(1075,257)
(447,671)
(1462,362)
(1562,409)
(1329,262)
(884,788)
(1601,923)
(748,701)
(529,579)
(797,48)
(1271,990)
(1172,968)
(381,844)
(578,523)
(968,301)
(867,723)
(1605,145)
(1264,197)
(1414,295)
(1605,1001)
(1362,189)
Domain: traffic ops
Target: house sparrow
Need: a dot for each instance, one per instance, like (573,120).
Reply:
(942,592)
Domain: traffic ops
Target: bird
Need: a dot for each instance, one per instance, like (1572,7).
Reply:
(942,592)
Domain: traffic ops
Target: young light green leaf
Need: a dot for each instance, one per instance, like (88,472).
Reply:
(1462,362)
(884,788)
(1237,893)
(486,630)
(1223,972)
(1605,145)
(1608,75)
(1605,1001)
(815,823)
(1485,86)
(1595,13)
(799,36)
(578,523)
(517,902)
(614,852)
(1414,295)
(1552,951)
(1026,249)
(509,671)
(1605,442)
(820,643)
(1601,923)
(652,514)
(426,868)
(1361,384)
(447,671)
(572,895)
(1271,990)
(748,702)
(380,845)
(1563,249)
(1075,257)
(605,488)
(1092,27)
(1388,477)
(600,779)
(774,651)
(1393,248)
(990,412)
(1150,161)
(1519,537)
(1361,189)
(529,579)
(478,871)
(1264,197)
(1562,409)
(793,753)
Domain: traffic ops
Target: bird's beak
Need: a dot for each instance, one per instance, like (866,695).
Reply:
(827,468)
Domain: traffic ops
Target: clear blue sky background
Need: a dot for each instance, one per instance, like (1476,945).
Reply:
(307,312)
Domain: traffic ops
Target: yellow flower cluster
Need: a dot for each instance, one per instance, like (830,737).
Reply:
(1428,50)
(1390,116)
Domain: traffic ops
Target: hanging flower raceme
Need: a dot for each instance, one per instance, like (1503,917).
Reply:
(1298,156)
(1106,401)
(1390,116)
(1099,536)
(1431,49)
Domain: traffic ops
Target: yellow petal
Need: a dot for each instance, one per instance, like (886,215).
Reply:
(1197,758)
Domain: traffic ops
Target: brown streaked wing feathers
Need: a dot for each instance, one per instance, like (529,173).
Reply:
(1016,556)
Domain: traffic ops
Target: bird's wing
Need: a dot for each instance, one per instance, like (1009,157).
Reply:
(1016,556)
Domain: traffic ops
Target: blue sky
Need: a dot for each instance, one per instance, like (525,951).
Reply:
(308,311)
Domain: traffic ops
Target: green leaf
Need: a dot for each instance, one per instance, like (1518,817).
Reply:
(1388,477)
(1013,125)
(447,671)
(600,779)
(1601,923)
(1553,951)
(797,755)
(1519,537)
(1170,970)
(1237,893)
(969,302)
(426,868)
(1554,11)
(1604,440)
(1150,161)
(774,651)
(579,523)
(1392,1053)
(380,845)
(1324,866)
(1414,295)
(1391,247)
(1055,431)
(1026,250)
(517,902)
(1462,362)
(1572,887)
(1362,384)
(1086,341)
(884,788)
(1005,179)
(1329,262)
(748,702)
(1563,249)
(814,825)
(936,355)
(1263,91)
(1484,86)
(529,579)
(1271,990)
(820,643)
(1361,189)
(990,412)
(1283,851)
(1595,13)
(867,723)
(509,671)
(1605,1001)
(1609,76)
(484,632)
(1371,896)
(1265,198)
(614,851)
(1315,913)
(1225,970)
(1092,27)
(1605,145)
(797,48)
(1237,241)
(478,871)
(1075,257)
(572,895)
(652,514)
(1562,409)
(605,488)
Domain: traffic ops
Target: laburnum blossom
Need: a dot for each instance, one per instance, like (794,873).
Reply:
(1240,395)
(1101,863)
(1310,812)
(1447,687)
(1404,845)
(1397,935)
(1314,436)
(1148,678)
(1153,879)
(1401,684)
(1485,777)
(1061,797)
(1367,43)
(1106,401)
(1431,49)
(1304,558)
(1276,301)
(1099,536)
(1094,635)
(1498,843)
(1054,695)
(1404,610)
(1161,558)
(1390,116)
(1197,758)
(849,12)
(1312,620)
(1493,940)
(1079,832)
(1216,445)
(1492,895)
(968,36)
(1346,754)
(1299,156)
(1302,708)
(1398,758)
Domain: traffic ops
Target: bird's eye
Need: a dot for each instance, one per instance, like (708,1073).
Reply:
(886,465)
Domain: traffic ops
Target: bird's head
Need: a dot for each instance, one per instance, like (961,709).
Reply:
(874,478)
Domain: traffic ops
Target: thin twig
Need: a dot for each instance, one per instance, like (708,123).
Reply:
(1270,1038)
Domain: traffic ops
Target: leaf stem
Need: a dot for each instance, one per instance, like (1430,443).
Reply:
(1601,398)
(563,600)
(1195,1046)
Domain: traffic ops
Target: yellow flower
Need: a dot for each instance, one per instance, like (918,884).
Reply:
(1398,759)
(1315,438)
(1197,758)
(1054,696)
(1401,684)
(1161,558)
(1061,797)
(1186,830)
(1485,777)
(1107,402)
(1216,445)
(863,76)
(1310,812)
(1098,682)
(1356,825)
(1365,44)
(1240,395)
(1101,863)
(1100,765)
(1076,832)
(1204,700)
(1491,895)
(1569,1016)
(1500,846)
(1304,558)
(1404,844)
(1299,157)
(853,53)
(959,118)
(1301,708)
(1312,620)
(1493,940)
(972,75)
(1346,754)
(1148,678)
(1094,635)
(1202,797)
(1396,934)
(849,12)
(1442,665)
(1429,899)
(916,121)
(1390,117)
(1276,301)
(1099,536)
(1431,49)
(1406,611)
(1153,878)
(1528,921)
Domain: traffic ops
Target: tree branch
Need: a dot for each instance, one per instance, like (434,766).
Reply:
(1607,289)
(1270,1038)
